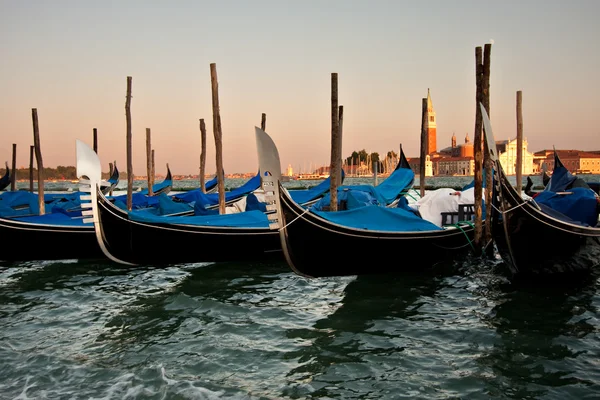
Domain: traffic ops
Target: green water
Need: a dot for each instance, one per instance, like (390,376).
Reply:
(74,330)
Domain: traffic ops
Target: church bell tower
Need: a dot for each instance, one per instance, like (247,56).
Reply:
(431,126)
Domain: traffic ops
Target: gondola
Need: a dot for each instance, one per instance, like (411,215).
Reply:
(537,241)
(5,180)
(137,237)
(361,241)
(52,236)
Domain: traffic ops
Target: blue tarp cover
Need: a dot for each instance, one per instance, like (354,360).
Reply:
(395,185)
(19,202)
(379,219)
(352,196)
(580,205)
(212,199)
(53,219)
(248,219)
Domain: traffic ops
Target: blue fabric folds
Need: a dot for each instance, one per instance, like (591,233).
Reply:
(248,219)
(379,219)
(578,204)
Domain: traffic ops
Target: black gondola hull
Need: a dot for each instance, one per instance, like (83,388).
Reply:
(22,241)
(315,247)
(534,243)
(158,244)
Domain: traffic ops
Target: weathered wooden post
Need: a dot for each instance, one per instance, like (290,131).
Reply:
(217,131)
(263,122)
(478,150)
(519,141)
(31,150)
(13,178)
(96,140)
(424,146)
(40,163)
(202,155)
(149,162)
(129,146)
(336,145)
(341,134)
(154,167)
(489,177)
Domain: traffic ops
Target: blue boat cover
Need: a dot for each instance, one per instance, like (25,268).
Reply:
(570,196)
(19,202)
(212,199)
(53,219)
(138,199)
(303,196)
(578,205)
(247,219)
(165,206)
(379,219)
(350,197)
(395,185)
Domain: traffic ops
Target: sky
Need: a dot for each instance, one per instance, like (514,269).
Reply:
(70,60)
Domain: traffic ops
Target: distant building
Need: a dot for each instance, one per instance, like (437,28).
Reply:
(576,161)
(464,166)
(507,154)
(431,127)
(415,165)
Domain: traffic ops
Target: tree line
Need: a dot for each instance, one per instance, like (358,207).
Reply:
(358,158)
(58,173)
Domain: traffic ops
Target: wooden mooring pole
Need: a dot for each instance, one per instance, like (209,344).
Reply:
(489,177)
(478,151)
(129,146)
(149,161)
(519,141)
(202,155)
(40,163)
(424,146)
(336,154)
(95,140)
(341,135)
(217,131)
(263,122)
(154,167)
(31,155)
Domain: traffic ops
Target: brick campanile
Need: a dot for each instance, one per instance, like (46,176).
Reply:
(431,126)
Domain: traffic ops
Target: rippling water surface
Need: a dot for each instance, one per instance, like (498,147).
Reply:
(77,330)
(95,330)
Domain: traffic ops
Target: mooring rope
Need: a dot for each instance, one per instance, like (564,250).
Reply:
(294,220)
(509,210)
(459,225)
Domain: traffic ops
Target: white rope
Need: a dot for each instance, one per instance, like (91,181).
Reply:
(292,221)
(509,210)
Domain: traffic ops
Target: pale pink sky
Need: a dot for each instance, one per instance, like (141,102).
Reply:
(70,59)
